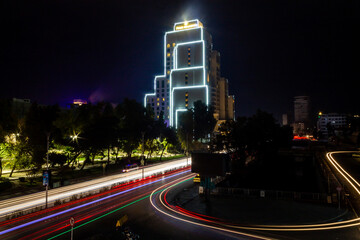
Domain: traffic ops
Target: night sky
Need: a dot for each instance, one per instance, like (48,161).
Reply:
(55,51)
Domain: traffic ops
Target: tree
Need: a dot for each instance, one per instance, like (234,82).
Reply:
(258,135)
(39,122)
(204,121)
(185,129)
(132,124)
(8,127)
(169,136)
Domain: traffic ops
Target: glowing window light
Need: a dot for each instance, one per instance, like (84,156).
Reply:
(168,45)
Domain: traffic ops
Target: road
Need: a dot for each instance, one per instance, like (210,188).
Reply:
(29,202)
(149,216)
(336,229)
(96,217)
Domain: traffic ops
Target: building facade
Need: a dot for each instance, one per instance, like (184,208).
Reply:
(329,124)
(302,121)
(191,73)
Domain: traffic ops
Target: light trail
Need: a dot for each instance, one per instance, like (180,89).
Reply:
(305,227)
(30,201)
(83,205)
(113,211)
(192,222)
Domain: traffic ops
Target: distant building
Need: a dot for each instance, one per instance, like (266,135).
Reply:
(79,102)
(284,119)
(302,121)
(331,123)
(302,109)
(191,73)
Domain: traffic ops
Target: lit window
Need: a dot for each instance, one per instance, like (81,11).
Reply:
(173,44)
(157,104)
(168,45)
(163,99)
(157,99)
(168,54)
(168,72)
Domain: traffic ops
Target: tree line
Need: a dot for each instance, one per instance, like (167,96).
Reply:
(109,130)
(88,131)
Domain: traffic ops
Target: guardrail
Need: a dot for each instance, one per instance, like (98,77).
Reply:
(271,194)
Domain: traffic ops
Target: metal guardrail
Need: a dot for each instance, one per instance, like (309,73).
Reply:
(271,194)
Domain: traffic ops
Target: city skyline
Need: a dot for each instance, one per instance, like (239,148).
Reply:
(56,52)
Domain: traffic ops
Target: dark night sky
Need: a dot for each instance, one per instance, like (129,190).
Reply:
(271,51)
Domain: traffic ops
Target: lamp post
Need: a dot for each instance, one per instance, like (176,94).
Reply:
(47,168)
(187,149)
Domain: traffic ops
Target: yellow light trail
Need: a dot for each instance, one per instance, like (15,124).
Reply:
(306,227)
(192,222)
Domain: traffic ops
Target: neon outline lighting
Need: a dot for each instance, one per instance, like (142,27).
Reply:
(176,114)
(192,25)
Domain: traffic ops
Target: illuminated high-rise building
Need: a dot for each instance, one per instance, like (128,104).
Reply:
(191,73)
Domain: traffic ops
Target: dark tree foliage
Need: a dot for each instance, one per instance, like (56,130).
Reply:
(185,129)
(204,121)
(8,125)
(257,134)
(132,124)
(39,123)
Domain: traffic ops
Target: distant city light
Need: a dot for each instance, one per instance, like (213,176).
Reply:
(79,102)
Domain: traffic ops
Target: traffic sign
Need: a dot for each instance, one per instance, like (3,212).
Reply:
(121,221)
(72,221)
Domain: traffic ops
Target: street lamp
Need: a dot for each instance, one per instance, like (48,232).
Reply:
(47,167)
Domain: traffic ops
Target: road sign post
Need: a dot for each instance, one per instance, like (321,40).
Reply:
(72,221)
(339,190)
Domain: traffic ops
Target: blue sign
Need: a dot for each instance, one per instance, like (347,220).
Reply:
(45,178)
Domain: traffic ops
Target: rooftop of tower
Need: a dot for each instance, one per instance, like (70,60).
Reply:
(187,25)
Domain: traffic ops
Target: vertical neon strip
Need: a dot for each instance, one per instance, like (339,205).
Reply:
(165,53)
(176,117)
(175,66)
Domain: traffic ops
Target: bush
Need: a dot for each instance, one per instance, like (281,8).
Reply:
(57,202)
(5,185)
